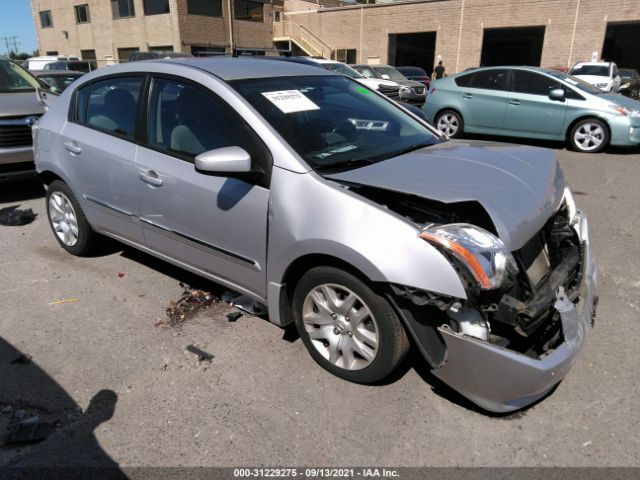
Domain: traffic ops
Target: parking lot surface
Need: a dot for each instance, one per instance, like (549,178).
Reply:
(124,390)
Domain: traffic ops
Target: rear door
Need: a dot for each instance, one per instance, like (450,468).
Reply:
(100,153)
(214,223)
(483,98)
(530,110)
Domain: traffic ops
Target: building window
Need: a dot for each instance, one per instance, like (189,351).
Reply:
(88,54)
(125,53)
(45,19)
(277,16)
(206,51)
(208,8)
(122,9)
(51,52)
(82,13)
(156,7)
(347,55)
(248,10)
(168,48)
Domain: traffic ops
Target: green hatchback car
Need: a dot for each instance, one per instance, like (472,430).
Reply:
(532,102)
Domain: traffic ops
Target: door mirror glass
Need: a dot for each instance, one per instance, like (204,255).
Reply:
(557,94)
(224,160)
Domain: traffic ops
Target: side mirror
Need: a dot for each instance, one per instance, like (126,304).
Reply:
(224,160)
(556,94)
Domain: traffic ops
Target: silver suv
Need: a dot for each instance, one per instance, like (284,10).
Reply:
(19,110)
(335,208)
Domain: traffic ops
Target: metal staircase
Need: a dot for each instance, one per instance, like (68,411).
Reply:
(304,38)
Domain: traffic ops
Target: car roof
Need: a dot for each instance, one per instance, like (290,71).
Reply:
(57,73)
(233,68)
(600,64)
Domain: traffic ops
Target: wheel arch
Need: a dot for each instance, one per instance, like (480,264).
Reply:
(591,116)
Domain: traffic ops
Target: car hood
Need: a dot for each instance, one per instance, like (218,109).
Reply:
(519,187)
(19,104)
(409,83)
(593,79)
(620,100)
(376,82)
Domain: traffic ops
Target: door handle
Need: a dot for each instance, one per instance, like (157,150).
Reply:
(467,96)
(150,177)
(73,148)
(514,102)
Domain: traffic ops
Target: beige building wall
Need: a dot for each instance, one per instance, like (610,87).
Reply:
(176,29)
(574,29)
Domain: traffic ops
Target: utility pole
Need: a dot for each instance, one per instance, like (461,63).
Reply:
(10,40)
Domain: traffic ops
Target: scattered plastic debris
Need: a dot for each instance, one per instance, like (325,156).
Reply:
(191,302)
(202,355)
(14,217)
(30,430)
(243,303)
(233,316)
(21,359)
(121,274)
(66,300)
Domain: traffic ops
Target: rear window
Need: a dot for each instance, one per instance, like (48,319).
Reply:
(413,71)
(14,78)
(595,70)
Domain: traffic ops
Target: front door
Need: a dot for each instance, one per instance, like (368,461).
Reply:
(531,110)
(214,223)
(98,144)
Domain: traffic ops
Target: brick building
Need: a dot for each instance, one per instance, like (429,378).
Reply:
(466,33)
(463,33)
(110,30)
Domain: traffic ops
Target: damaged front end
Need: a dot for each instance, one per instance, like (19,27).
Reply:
(526,315)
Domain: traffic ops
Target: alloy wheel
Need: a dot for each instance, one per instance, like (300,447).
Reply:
(589,136)
(63,218)
(340,326)
(448,124)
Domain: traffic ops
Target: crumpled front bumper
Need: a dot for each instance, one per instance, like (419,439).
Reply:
(501,380)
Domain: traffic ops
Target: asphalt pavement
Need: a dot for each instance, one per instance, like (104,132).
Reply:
(120,387)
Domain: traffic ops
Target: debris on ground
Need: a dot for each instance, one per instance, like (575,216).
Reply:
(233,316)
(243,303)
(21,359)
(14,217)
(65,300)
(202,355)
(30,430)
(192,301)
(121,274)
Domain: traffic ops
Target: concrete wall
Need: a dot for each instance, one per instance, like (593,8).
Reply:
(459,26)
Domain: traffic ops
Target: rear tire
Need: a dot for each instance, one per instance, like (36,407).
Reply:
(67,220)
(348,329)
(589,135)
(449,123)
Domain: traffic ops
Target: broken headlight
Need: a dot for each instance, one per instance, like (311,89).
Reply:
(484,255)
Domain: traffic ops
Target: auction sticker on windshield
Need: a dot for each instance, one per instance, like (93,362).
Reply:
(291,101)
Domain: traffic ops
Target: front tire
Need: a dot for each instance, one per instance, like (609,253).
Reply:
(589,135)
(348,329)
(67,221)
(449,123)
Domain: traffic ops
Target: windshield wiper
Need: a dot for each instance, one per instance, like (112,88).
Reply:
(344,165)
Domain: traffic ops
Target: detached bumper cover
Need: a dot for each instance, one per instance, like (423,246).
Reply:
(501,380)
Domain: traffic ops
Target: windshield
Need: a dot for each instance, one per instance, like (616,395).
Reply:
(576,82)
(14,78)
(390,73)
(333,122)
(343,69)
(596,70)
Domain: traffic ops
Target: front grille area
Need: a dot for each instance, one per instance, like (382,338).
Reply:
(15,132)
(389,91)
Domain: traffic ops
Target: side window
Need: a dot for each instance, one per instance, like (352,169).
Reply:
(533,83)
(490,80)
(464,80)
(188,121)
(110,105)
(367,72)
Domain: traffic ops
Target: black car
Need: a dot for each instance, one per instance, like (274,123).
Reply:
(83,66)
(416,74)
(57,80)
(410,90)
(629,82)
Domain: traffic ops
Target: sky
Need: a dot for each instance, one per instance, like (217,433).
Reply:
(15,19)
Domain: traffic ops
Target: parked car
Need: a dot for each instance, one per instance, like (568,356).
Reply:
(137,56)
(57,80)
(603,75)
(83,66)
(629,83)
(410,91)
(337,210)
(416,74)
(38,63)
(533,102)
(19,110)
